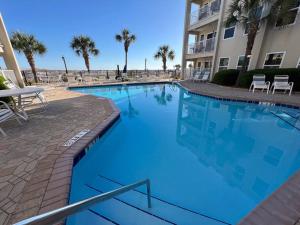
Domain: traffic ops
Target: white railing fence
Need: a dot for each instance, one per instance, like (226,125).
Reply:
(57,76)
(205,12)
(202,46)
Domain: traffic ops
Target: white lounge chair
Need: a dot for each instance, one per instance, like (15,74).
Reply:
(281,82)
(28,98)
(6,113)
(205,76)
(259,82)
(197,76)
(124,77)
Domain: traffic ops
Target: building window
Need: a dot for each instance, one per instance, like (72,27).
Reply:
(274,60)
(229,32)
(241,62)
(223,65)
(288,18)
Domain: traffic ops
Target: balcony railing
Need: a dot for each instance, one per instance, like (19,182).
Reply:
(202,46)
(206,12)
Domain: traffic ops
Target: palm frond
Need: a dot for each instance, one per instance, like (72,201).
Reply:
(27,43)
(95,52)
(119,38)
(231,19)
(157,55)
(83,44)
(171,55)
(132,38)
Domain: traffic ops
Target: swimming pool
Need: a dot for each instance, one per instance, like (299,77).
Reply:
(208,160)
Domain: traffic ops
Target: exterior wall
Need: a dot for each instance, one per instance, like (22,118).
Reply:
(282,40)
(269,39)
(236,46)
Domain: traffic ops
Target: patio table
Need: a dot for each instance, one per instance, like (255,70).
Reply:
(18,92)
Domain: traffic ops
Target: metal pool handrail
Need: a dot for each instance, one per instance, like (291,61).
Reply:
(61,213)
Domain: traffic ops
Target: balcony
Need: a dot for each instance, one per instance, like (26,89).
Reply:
(205,14)
(201,49)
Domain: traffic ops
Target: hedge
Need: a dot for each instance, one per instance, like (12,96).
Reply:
(226,77)
(293,73)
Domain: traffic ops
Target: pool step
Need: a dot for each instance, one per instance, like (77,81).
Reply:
(93,218)
(164,212)
(289,117)
(118,212)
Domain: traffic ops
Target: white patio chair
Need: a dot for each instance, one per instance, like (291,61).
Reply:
(43,79)
(205,76)
(281,82)
(124,77)
(259,82)
(6,113)
(198,76)
(79,79)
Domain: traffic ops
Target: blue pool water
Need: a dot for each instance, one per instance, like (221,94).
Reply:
(216,158)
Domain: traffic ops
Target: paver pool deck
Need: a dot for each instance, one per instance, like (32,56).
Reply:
(35,168)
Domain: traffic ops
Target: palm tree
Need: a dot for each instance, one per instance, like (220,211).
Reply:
(30,46)
(164,52)
(127,39)
(251,14)
(84,45)
(162,99)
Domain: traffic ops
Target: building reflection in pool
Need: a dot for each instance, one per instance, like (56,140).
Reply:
(236,130)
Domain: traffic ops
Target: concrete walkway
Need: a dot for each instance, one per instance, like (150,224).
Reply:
(28,154)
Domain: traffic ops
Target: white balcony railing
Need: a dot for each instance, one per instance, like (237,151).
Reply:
(205,12)
(202,46)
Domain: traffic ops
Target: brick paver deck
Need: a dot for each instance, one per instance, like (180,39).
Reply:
(35,169)
(241,94)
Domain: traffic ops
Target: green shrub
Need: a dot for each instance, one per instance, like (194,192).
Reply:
(226,77)
(294,76)
(3,87)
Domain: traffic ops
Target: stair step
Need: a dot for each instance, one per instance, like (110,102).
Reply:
(164,210)
(91,217)
(288,117)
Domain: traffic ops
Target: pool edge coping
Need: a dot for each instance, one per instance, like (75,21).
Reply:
(63,166)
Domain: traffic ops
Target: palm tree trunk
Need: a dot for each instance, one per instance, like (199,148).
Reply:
(86,60)
(126,59)
(30,59)
(164,64)
(253,28)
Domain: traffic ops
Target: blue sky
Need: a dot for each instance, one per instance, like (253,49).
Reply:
(55,22)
